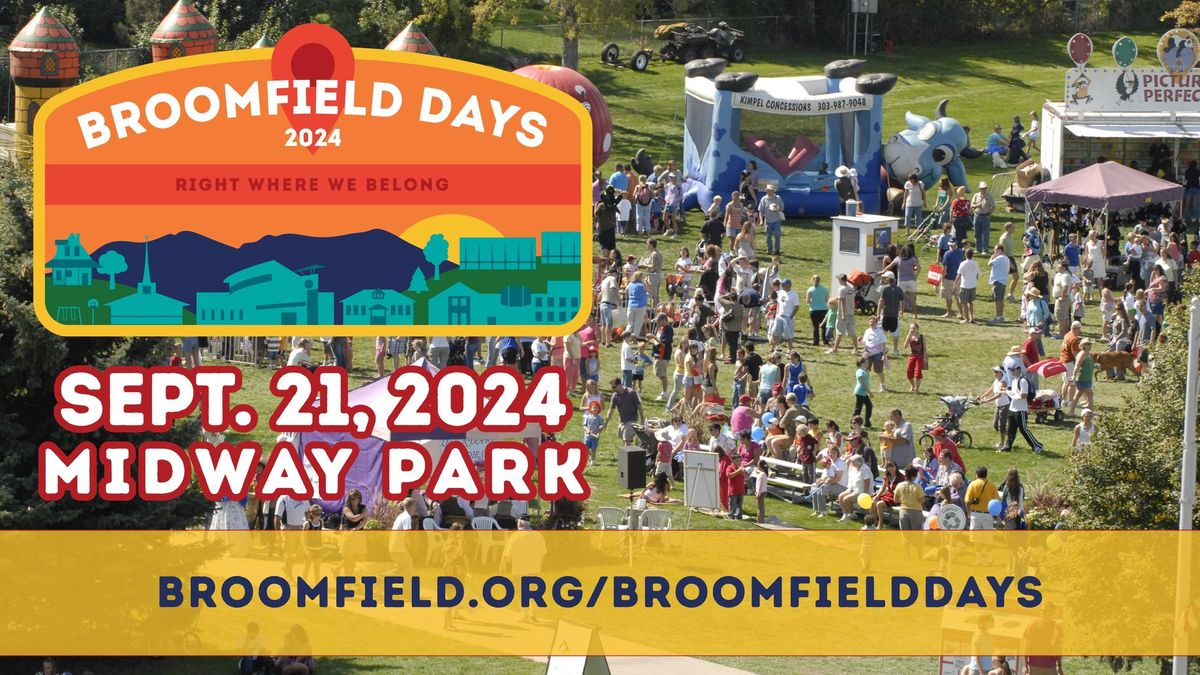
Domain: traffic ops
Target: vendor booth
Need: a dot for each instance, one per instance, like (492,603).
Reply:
(1145,117)
(1106,187)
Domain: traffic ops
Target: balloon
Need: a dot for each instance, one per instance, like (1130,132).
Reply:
(1079,48)
(865,501)
(768,419)
(581,89)
(1124,51)
(932,523)
(758,433)
(995,507)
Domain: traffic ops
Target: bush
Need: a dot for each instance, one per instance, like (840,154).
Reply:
(1128,475)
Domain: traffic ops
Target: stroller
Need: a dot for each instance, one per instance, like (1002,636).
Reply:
(864,284)
(956,407)
(928,226)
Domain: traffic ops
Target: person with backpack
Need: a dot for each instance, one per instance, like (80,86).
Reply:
(1019,392)
(642,195)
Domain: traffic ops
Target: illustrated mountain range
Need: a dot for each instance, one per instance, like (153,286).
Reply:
(184,263)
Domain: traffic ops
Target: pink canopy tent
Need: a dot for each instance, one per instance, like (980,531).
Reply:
(366,474)
(1106,186)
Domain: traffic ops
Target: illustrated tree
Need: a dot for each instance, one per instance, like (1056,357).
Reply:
(437,251)
(33,359)
(112,263)
(417,284)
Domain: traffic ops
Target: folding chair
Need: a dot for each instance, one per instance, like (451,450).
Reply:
(656,519)
(611,517)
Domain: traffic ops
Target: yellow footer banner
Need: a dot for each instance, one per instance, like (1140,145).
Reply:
(616,593)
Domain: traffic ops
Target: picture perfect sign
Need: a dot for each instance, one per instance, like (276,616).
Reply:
(1132,90)
(315,187)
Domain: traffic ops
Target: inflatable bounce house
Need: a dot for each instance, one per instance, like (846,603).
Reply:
(731,119)
(929,147)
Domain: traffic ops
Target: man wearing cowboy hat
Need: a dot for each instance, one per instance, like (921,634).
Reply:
(982,205)
(770,215)
(1019,393)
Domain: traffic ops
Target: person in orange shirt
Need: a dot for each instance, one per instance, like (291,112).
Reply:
(1070,349)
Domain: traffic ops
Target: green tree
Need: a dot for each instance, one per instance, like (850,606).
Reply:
(1128,479)
(417,283)
(437,250)
(1128,476)
(455,27)
(1186,15)
(603,17)
(112,263)
(380,21)
(33,359)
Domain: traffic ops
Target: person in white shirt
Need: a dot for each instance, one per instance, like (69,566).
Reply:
(874,342)
(784,327)
(831,484)
(404,521)
(859,481)
(610,298)
(966,283)
(1019,393)
(914,202)
(439,351)
(541,354)
(290,514)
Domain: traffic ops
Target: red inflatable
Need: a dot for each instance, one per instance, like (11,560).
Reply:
(578,86)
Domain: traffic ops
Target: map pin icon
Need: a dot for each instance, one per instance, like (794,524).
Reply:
(306,54)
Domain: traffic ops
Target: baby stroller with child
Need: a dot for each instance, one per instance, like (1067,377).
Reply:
(864,284)
(956,407)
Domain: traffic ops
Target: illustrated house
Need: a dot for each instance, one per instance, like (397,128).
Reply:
(377,306)
(460,304)
(72,265)
(147,305)
(267,293)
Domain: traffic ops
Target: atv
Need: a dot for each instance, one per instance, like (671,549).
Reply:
(685,42)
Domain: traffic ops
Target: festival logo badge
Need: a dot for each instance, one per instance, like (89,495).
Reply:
(309,185)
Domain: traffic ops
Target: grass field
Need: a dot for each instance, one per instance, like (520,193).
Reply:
(986,84)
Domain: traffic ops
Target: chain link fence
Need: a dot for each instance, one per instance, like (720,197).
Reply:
(762,34)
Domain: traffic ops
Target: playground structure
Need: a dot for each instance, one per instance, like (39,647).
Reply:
(732,119)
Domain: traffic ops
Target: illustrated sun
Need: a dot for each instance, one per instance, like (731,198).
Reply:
(452,226)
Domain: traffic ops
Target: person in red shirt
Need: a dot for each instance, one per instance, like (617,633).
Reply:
(736,486)
(1031,353)
(942,442)
(1193,256)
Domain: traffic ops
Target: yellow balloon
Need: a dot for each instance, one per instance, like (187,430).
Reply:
(865,501)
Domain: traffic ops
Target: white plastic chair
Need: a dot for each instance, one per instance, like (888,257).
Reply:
(485,523)
(430,524)
(610,518)
(655,519)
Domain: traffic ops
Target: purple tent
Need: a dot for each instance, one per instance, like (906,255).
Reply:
(1106,186)
(366,473)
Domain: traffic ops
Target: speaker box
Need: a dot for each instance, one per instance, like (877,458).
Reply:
(631,467)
